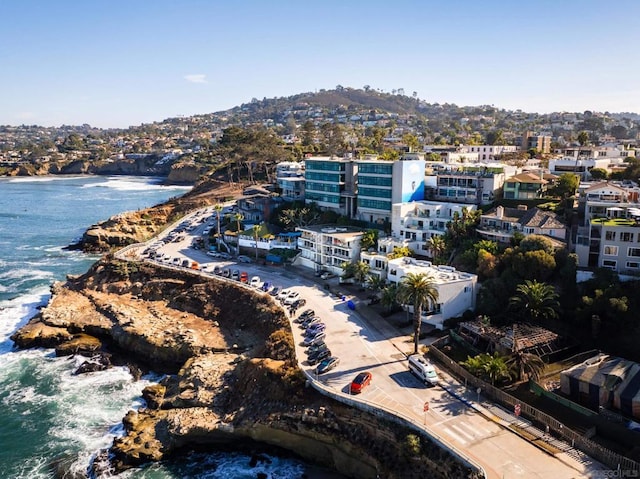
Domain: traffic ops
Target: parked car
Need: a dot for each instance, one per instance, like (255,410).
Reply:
(361,381)
(244,259)
(244,277)
(316,347)
(327,364)
(176,260)
(314,328)
(299,302)
(226,273)
(310,321)
(235,274)
(217,270)
(282,295)
(224,255)
(275,291)
(266,287)
(326,275)
(305,314)
(291,298)
(318,356)
(423,369)
(255,282)
(186,263)
(316,338)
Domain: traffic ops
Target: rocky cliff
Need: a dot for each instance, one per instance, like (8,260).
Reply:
(232,375)
(137,226)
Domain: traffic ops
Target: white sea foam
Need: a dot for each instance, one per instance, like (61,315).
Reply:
(42,179)
(134,184)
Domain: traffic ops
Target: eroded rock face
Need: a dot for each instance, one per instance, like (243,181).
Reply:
(214,393)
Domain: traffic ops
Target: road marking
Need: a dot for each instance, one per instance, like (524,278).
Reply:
(454,435)
(460,430)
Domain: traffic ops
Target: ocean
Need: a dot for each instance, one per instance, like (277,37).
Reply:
(49,425)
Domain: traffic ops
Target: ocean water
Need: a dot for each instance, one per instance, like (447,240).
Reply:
(48,422)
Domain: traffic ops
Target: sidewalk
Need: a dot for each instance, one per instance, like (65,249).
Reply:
(403,342)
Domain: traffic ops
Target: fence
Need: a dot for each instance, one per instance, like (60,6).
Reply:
(577,440)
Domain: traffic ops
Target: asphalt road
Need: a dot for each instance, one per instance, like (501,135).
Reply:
(363,344)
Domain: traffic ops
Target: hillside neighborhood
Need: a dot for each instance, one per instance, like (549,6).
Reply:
(527,227)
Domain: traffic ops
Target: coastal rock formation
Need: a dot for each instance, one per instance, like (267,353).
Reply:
(137,226)
(232,376)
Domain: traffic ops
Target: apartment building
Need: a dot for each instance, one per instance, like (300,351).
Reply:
(489,152)
(457,291)
(541,143)
(610,233)
(290,180)
(478,184)
(525,186)
(326,247)
(364,189)
(413,224)
(581,160)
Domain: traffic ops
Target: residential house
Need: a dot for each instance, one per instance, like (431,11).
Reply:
(500,223)
(525,186)
(290,180)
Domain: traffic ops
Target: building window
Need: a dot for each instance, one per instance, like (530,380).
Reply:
(610,235)
(393,272)
(633,264)
(607,263)
(610,250)
(626,237)
(634,252)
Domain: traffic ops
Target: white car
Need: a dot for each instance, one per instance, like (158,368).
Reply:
(283,294)
(255,282)
(291,297)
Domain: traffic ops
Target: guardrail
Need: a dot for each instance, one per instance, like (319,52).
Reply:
(381,411)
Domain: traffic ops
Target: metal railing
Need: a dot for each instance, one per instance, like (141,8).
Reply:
(576,439)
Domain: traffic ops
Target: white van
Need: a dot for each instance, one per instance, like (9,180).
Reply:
(423,369)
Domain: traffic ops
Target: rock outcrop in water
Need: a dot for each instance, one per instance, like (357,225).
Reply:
(232,375)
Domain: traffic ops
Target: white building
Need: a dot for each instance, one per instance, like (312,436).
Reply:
(416,222)
(327,247)
(489,152)
(290,180)
(457,291)
(580,160)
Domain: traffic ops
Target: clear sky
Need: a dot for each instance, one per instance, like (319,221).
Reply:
(116,63)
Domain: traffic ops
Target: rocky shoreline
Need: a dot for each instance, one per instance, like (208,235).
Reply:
(232,376)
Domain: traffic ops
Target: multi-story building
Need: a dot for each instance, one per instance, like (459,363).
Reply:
(364,189)
(501,223)
(413,224)
(525,186)
(478,184)
(290,180)
(457,291)
(580,160)
(380,184)
(329,182)
(610,233)
(328,247)
(489,152)
(541,143)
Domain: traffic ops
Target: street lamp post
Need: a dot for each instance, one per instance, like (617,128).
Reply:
(255,237)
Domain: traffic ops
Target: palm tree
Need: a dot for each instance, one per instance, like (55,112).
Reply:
(218,209)
(369,240)
(389,297)
(419,290)
(525,365)
(376,283)
(437,246)
(361,271)
(497,368)
(256,229)
(238,217)
(536,300)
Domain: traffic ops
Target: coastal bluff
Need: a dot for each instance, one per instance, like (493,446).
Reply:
(232,378)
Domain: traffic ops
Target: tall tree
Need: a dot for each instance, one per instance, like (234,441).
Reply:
(420,291)
(583,138)
(536,301)
(437,247)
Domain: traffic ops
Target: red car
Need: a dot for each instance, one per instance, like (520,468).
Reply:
(360,382)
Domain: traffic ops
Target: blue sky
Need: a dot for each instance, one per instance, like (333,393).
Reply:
(116,63)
